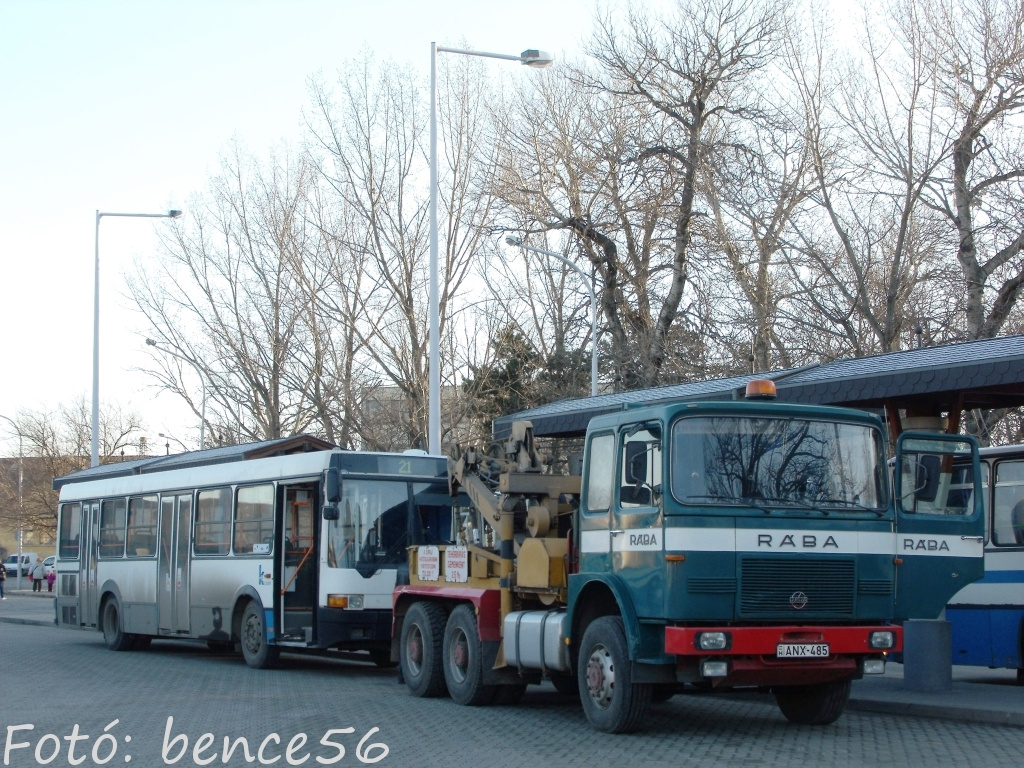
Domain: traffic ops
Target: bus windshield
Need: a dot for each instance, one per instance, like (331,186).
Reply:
(379,518)
(761,462)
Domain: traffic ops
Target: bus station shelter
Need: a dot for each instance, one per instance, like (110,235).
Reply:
(910,387)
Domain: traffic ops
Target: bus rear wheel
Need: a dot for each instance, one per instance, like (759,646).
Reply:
(818,704)
(114,636)
(256,651)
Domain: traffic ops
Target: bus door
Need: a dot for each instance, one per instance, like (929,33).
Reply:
(299,563)
(173,567)
(88,588)
(940,521)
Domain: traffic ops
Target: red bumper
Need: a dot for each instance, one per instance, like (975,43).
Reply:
(753,657)
(764,641)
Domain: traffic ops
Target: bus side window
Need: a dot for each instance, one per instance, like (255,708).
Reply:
(1008,513)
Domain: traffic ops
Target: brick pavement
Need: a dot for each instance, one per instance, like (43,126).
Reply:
(56,678)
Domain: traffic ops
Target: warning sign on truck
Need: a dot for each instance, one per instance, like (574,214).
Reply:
(428,561)
(456,564)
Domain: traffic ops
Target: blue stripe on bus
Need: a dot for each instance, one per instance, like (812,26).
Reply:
(1003,577)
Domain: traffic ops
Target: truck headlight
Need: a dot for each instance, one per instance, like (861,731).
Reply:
(714,641)
(882,641)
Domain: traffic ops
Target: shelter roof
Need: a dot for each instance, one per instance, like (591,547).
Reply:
(987,373)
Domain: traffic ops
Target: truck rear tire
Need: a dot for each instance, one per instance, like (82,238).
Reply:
(463,665)
(422,641)
(612,702)
(818,704)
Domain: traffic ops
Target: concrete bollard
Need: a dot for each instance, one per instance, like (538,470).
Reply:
(927,655)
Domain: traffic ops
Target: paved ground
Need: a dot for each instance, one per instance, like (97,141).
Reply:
(55,679)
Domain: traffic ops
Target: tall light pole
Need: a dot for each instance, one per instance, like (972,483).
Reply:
(518,241)
(95,460)
(21,494)
(531,58)
(202,379)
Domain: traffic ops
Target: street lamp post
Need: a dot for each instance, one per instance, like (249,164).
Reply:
(531,58)
(95,459)
(202,380)
(21,494)
(518,241)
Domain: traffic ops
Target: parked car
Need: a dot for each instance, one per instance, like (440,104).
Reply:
(49,564)
(27,560)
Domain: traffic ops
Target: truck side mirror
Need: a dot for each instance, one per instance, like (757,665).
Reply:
(331,512)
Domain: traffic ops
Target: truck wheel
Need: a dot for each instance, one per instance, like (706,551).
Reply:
(463,667)
(818,704)
(612,702)
(114,635)
(257,652)
(421,643)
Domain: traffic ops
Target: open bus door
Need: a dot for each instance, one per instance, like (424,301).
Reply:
(940,521)
(298,556)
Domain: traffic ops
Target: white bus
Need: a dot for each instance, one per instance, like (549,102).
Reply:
(251,547)
(987,617)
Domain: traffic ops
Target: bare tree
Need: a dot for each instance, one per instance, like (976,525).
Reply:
(974,51)
(56,443)
(371,128)
(226,297)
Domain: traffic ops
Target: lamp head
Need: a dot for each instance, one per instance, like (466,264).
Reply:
(150,342)
(531,57)
(513,240)
(173,214)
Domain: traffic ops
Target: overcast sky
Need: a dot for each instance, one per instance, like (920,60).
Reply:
(125,105)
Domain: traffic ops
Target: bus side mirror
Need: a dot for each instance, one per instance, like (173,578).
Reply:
(332,486)
(331,512)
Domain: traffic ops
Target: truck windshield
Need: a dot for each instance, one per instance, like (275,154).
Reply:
(770,463)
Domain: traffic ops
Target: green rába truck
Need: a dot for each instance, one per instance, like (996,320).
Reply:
(714,544)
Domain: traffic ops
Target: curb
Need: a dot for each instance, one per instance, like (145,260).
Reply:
(939,711)
(30,622)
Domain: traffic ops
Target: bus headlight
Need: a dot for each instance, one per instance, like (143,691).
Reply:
(882,641)
(351,602)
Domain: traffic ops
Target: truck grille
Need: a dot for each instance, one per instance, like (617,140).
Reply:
(796,587)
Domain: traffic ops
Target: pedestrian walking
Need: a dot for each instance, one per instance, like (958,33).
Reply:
(51,576)
(3,578)
(38,574)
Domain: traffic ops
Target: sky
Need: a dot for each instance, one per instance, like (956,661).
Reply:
(126,106)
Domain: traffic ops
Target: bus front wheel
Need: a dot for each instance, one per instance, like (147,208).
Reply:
(258,653)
